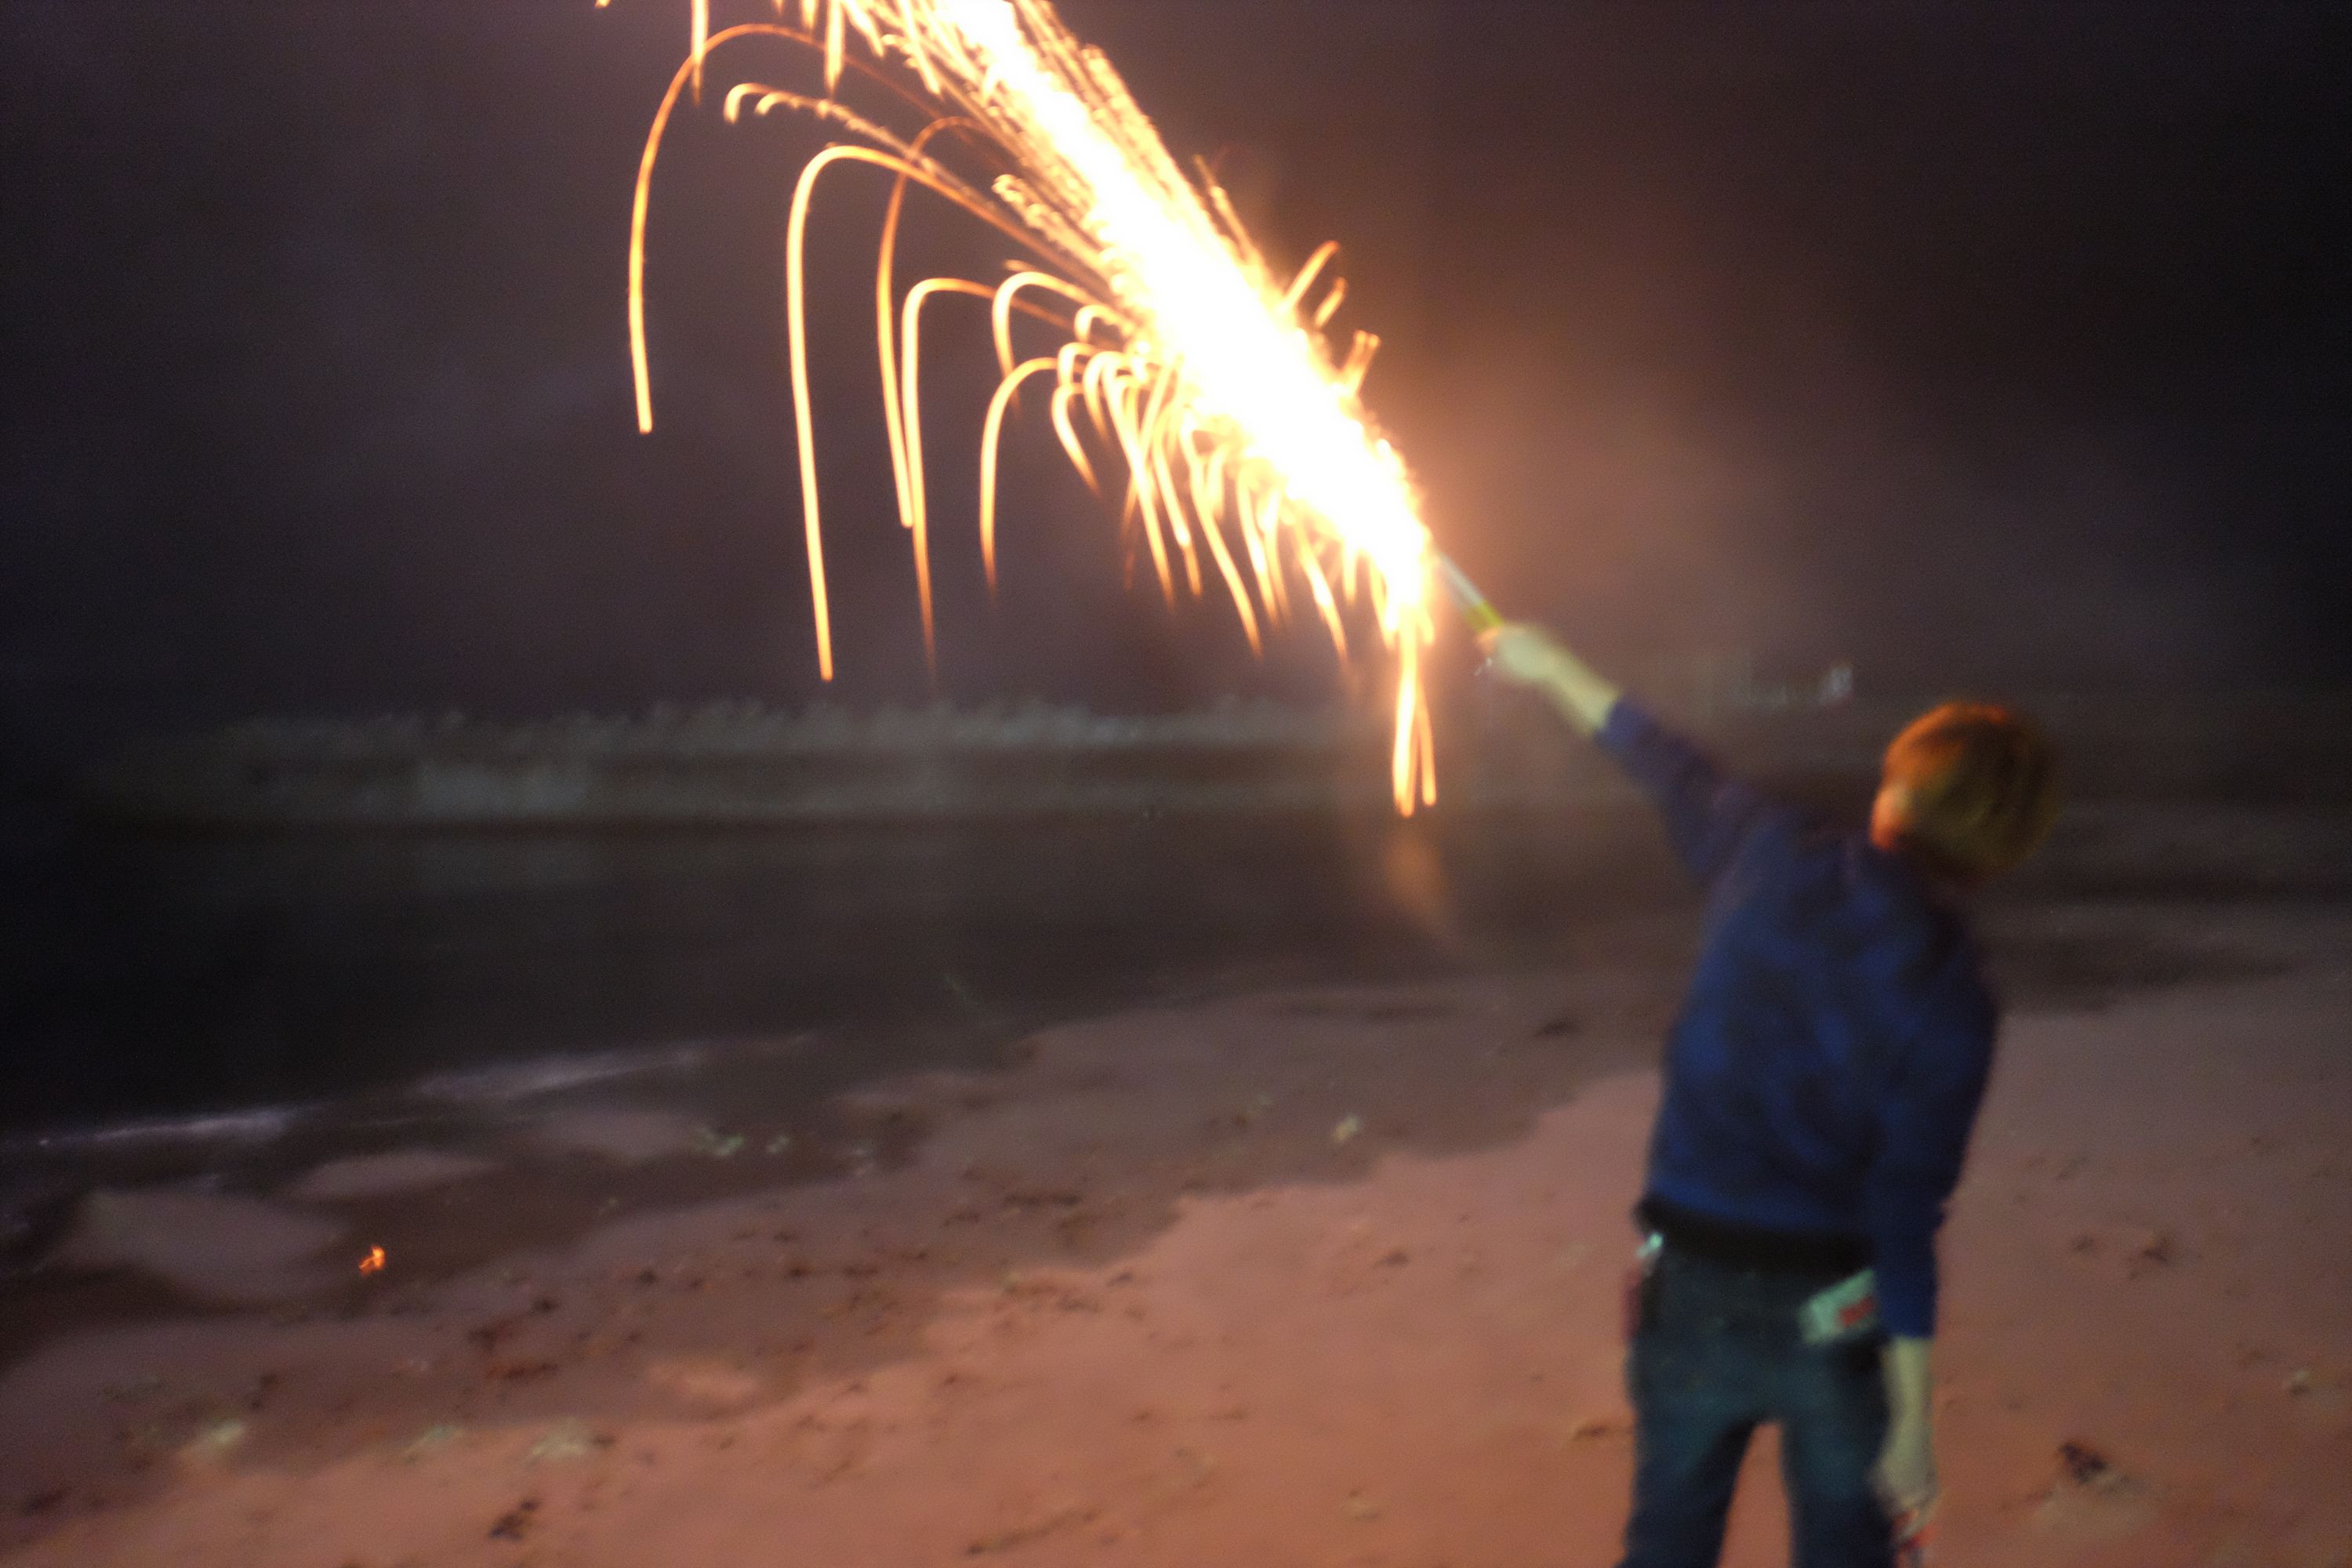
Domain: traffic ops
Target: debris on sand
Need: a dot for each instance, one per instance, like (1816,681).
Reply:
(2152,1249)
(1349,1129)
(1022,1535)
(567,1440)
(704,1381)
(2083,1463)
(2091,1496)
(214,1441)
(2083,1466)
(432,1440)
(2140,1250)
(515,1522)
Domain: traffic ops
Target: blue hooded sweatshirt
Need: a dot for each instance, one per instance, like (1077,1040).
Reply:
(1824,1074)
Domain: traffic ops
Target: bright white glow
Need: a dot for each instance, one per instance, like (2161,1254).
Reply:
(1197,366)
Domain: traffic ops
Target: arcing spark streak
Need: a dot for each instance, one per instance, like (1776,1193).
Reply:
(1200,371)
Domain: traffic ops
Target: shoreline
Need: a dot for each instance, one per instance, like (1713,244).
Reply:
(737,765)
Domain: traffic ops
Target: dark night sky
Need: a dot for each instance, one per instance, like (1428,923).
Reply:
(2001,343)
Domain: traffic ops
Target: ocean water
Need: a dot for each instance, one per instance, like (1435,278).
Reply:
(157,987)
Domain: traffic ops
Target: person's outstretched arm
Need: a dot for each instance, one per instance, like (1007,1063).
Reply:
(1709,814)
(1531,658)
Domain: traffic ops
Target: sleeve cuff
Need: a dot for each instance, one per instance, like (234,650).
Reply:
(1907,1323)
(1907,1300)
(1624,728)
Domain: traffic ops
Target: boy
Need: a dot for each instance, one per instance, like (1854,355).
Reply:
(1820,1084)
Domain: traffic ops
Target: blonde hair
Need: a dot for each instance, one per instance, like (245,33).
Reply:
(1982,783)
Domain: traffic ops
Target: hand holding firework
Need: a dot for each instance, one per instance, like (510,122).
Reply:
(1528,656)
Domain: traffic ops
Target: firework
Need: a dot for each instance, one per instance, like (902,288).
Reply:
(1167,347)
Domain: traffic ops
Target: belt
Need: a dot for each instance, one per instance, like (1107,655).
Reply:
(1753,1248)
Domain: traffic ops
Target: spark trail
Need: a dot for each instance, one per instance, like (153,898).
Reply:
(1169,347)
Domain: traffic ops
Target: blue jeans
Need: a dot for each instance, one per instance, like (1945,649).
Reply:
(1719,1353)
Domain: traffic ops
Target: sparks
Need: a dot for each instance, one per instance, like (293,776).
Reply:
(1208,378)
(373,1262)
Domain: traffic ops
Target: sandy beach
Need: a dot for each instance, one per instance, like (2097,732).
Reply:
(1320,1275)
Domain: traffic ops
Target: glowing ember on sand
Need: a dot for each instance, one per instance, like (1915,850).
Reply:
(373,1262)
(1205,374)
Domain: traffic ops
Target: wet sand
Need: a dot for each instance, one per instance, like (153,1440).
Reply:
(1281,1275)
